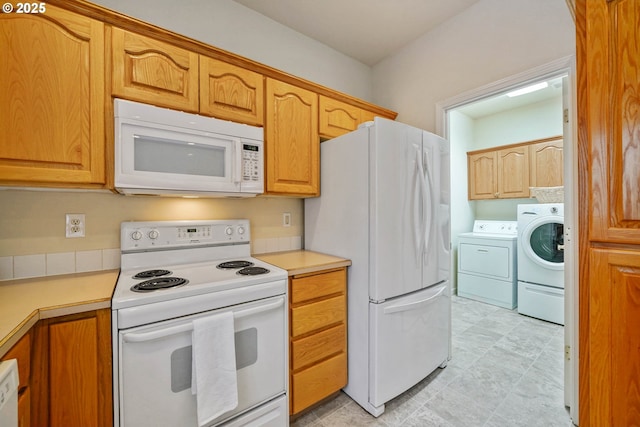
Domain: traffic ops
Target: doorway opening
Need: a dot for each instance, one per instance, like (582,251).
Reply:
(491,116)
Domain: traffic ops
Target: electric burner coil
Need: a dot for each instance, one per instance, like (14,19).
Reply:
(159,283)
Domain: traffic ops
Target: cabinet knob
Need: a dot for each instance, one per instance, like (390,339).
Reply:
(497,195)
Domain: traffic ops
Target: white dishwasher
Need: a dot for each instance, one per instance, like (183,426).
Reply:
(487,263)
(9,393)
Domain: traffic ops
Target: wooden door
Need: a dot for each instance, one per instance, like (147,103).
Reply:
(73,370)
(608,49)
(292,143)
(153,72)
(52,93)
(546,164)
(482,175)
(231,93)
(513,172)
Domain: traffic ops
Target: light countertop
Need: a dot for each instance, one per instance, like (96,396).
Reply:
(303,262)
(23,302)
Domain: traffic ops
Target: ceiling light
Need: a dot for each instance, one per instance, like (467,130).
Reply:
(528,89)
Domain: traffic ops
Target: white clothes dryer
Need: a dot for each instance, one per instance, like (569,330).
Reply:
(541,261)
(487,263)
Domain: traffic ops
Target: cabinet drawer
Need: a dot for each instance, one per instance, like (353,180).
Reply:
(22,351)
(318,285)
(317,315)
(317,382)
(311,349)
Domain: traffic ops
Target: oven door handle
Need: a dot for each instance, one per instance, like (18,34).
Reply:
(187,327)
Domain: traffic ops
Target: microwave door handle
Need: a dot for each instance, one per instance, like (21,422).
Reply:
(186,327)
(237,155)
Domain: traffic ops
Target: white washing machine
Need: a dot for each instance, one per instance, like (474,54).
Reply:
(541,261)
(487,263)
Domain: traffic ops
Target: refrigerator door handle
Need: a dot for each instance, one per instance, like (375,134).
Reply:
(423,192)
(428,202)
(413,305)
(417,203)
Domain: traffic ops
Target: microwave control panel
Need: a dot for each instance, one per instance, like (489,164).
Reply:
(251,155)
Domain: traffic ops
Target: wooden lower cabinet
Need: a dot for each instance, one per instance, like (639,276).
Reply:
(21,351)
(72,371)
(318,337)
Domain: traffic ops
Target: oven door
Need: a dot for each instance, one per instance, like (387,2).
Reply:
(155,365)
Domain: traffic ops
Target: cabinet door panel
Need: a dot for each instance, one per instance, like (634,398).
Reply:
(230,92)
(614,123)
(513,172)
(154,72)
(614,365)
(482,170)
(73,369)
(292,141)
(337,118)
(52,98)
(546,164)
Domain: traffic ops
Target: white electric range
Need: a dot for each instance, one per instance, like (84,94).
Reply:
(175,273)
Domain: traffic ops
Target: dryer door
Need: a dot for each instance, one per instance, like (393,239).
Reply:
(543,242)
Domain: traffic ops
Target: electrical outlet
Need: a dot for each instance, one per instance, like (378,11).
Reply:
(75,225)
(286,219)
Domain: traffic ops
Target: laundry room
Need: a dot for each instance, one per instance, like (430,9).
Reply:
(512,168)
(501,126)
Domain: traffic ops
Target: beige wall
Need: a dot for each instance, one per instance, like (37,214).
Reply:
(490,41)
(33,222)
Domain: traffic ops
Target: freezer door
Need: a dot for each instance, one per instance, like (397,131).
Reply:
(409,339)
(396,192)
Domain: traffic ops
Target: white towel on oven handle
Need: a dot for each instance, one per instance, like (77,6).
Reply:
(213,371)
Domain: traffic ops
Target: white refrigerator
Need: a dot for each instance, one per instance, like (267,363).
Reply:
(385,205)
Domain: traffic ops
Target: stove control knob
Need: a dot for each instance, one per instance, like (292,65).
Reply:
(240,230)
(136,235)
(153,234)
(229,231)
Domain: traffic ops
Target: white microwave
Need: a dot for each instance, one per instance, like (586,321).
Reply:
(164,152)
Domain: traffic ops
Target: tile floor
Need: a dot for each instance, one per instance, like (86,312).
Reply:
(506,370)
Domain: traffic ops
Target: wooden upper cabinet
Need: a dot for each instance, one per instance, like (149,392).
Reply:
(513,172)
(507,172)
(154,72)
(337,118)
(482,170)
(292,143)
(52,93)
(546,164)
(230,92)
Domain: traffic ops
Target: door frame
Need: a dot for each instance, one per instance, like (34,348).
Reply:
(559,67)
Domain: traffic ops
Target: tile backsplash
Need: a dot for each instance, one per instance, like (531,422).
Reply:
(39,265)
(52,264)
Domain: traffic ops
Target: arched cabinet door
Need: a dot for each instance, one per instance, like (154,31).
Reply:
(154,72)
(52,92)
(292,143)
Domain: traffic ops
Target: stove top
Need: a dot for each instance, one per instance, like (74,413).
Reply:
(170,260)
